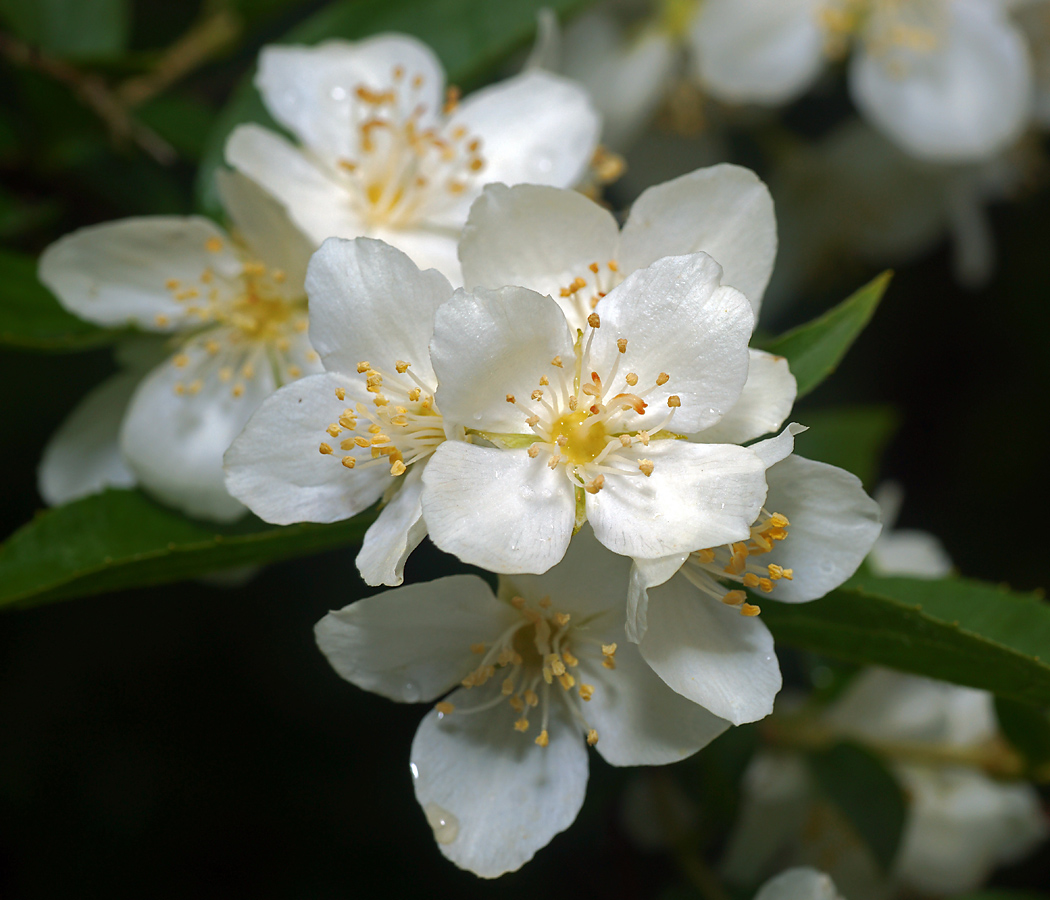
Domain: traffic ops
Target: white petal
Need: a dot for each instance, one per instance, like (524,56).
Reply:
(726,211)
(537,128)
(699,495)
(965,98)
(266,228)
(275,466)
(312,90)
(766,400)
(413,644)
(118,273)
(316,203)
(489,345)
(677,320)
(834,524)
(758,51)
(906,551)
(497,509)
(395,534)
(640,721)
(536,237)
(799,884)
(174,442)
(429,246)
(773,450)
(710,653)
(647,573)
(369,301)
(83,456)
(491,795)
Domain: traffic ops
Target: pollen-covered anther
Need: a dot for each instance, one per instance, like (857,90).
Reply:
(592,737)
(594,320)
(533,451)
(444,707)
(749,609)
(674,401)
(645,466)
(325,449)
(511,399)
(609,656)
(340,393)
(363,367)
(398,468)
(532,420)
(621,345)
(734,598)
(507,688)
(777,572)
(349,462)
(595,485)
(521,725)
(544,739)
(631,378)
(557,363)
(334,430)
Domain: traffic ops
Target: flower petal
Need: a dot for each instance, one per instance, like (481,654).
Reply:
(766,400)
(266,228)
(316,203)
(537,237)
(395,533)
(491,795)
(491,345)
(369,301)
(83,456)
(758,51)
(413,644)
(647,573)
(799,884)
(312,91)
(699,495)
(710,653)
(725,210)
(274,466)
(178,425)
(428,246)
(908,551)
(773,450)
(537,128)
(834,524)
(965,97)
(497,509)
(640,721)
(121,273)
(678,320)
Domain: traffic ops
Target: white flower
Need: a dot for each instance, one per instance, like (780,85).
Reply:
(331,445)
(947,80)
(816,527)
(586,426)
(500,765)
(799,884)
(385,153)
(235,311)
(905,551)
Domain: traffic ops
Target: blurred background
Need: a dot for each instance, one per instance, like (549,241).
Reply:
(189,739)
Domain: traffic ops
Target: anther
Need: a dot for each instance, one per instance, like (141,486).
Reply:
(349,462)
(594,321)
(592,487)
(544,739)
(444,707)
(593,267)
(521,724)
(537,394)
(533,451)
(734,598)
(631,379)
(334,430)
(592,737)
(213,245)
(645,466)
(508,687)
(401,366)
(674,401)
(324,449)
(363,367)
(556,362)
(561,620)
(749,609)
(586,691)
(340,393)
(662,378)
(532,698)
(511,399)
(544,381)
(621,345)
(398,468)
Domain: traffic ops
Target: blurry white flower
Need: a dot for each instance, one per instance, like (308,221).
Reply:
(235,310)
(536,674)
(385,152)
(331,445)
(799,884)
(905,551)
(585,424)
(946,80)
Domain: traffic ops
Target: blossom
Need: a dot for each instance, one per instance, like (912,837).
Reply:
(905,551)
(536,675)
(946,80)
(386,152)
(799,884)
(561,427)
(234,311)
(331,445)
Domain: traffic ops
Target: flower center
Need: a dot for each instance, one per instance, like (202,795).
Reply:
(581,436)
(408,166)
(584,291)
(708,569)
(402,425)
(240,331)
(530,657)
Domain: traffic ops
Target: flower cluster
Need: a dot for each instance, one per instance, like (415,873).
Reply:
(584,418)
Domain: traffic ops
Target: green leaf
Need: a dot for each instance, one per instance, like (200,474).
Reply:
(1027,728)
(1003,894)
(71,29)
(861,787)
(121,539)
(815,349)
(851,437)
(958,630)
(31,318)
(469,36)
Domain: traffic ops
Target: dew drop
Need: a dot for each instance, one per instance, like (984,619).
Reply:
(338,93)
(444,825)
(543,163)
(410,692)
(415,770)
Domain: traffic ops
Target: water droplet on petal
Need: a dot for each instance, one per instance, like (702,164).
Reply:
(338,93)
(415,770)
(410,692)
(444,825)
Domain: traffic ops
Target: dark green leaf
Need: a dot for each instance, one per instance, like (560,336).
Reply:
(182,122)
(71,29)
(851,437)
(31,318)
(958,630)
(815,349)
(1003,894)
(470,37)
(1027,728)
(121,539)
(860,786)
